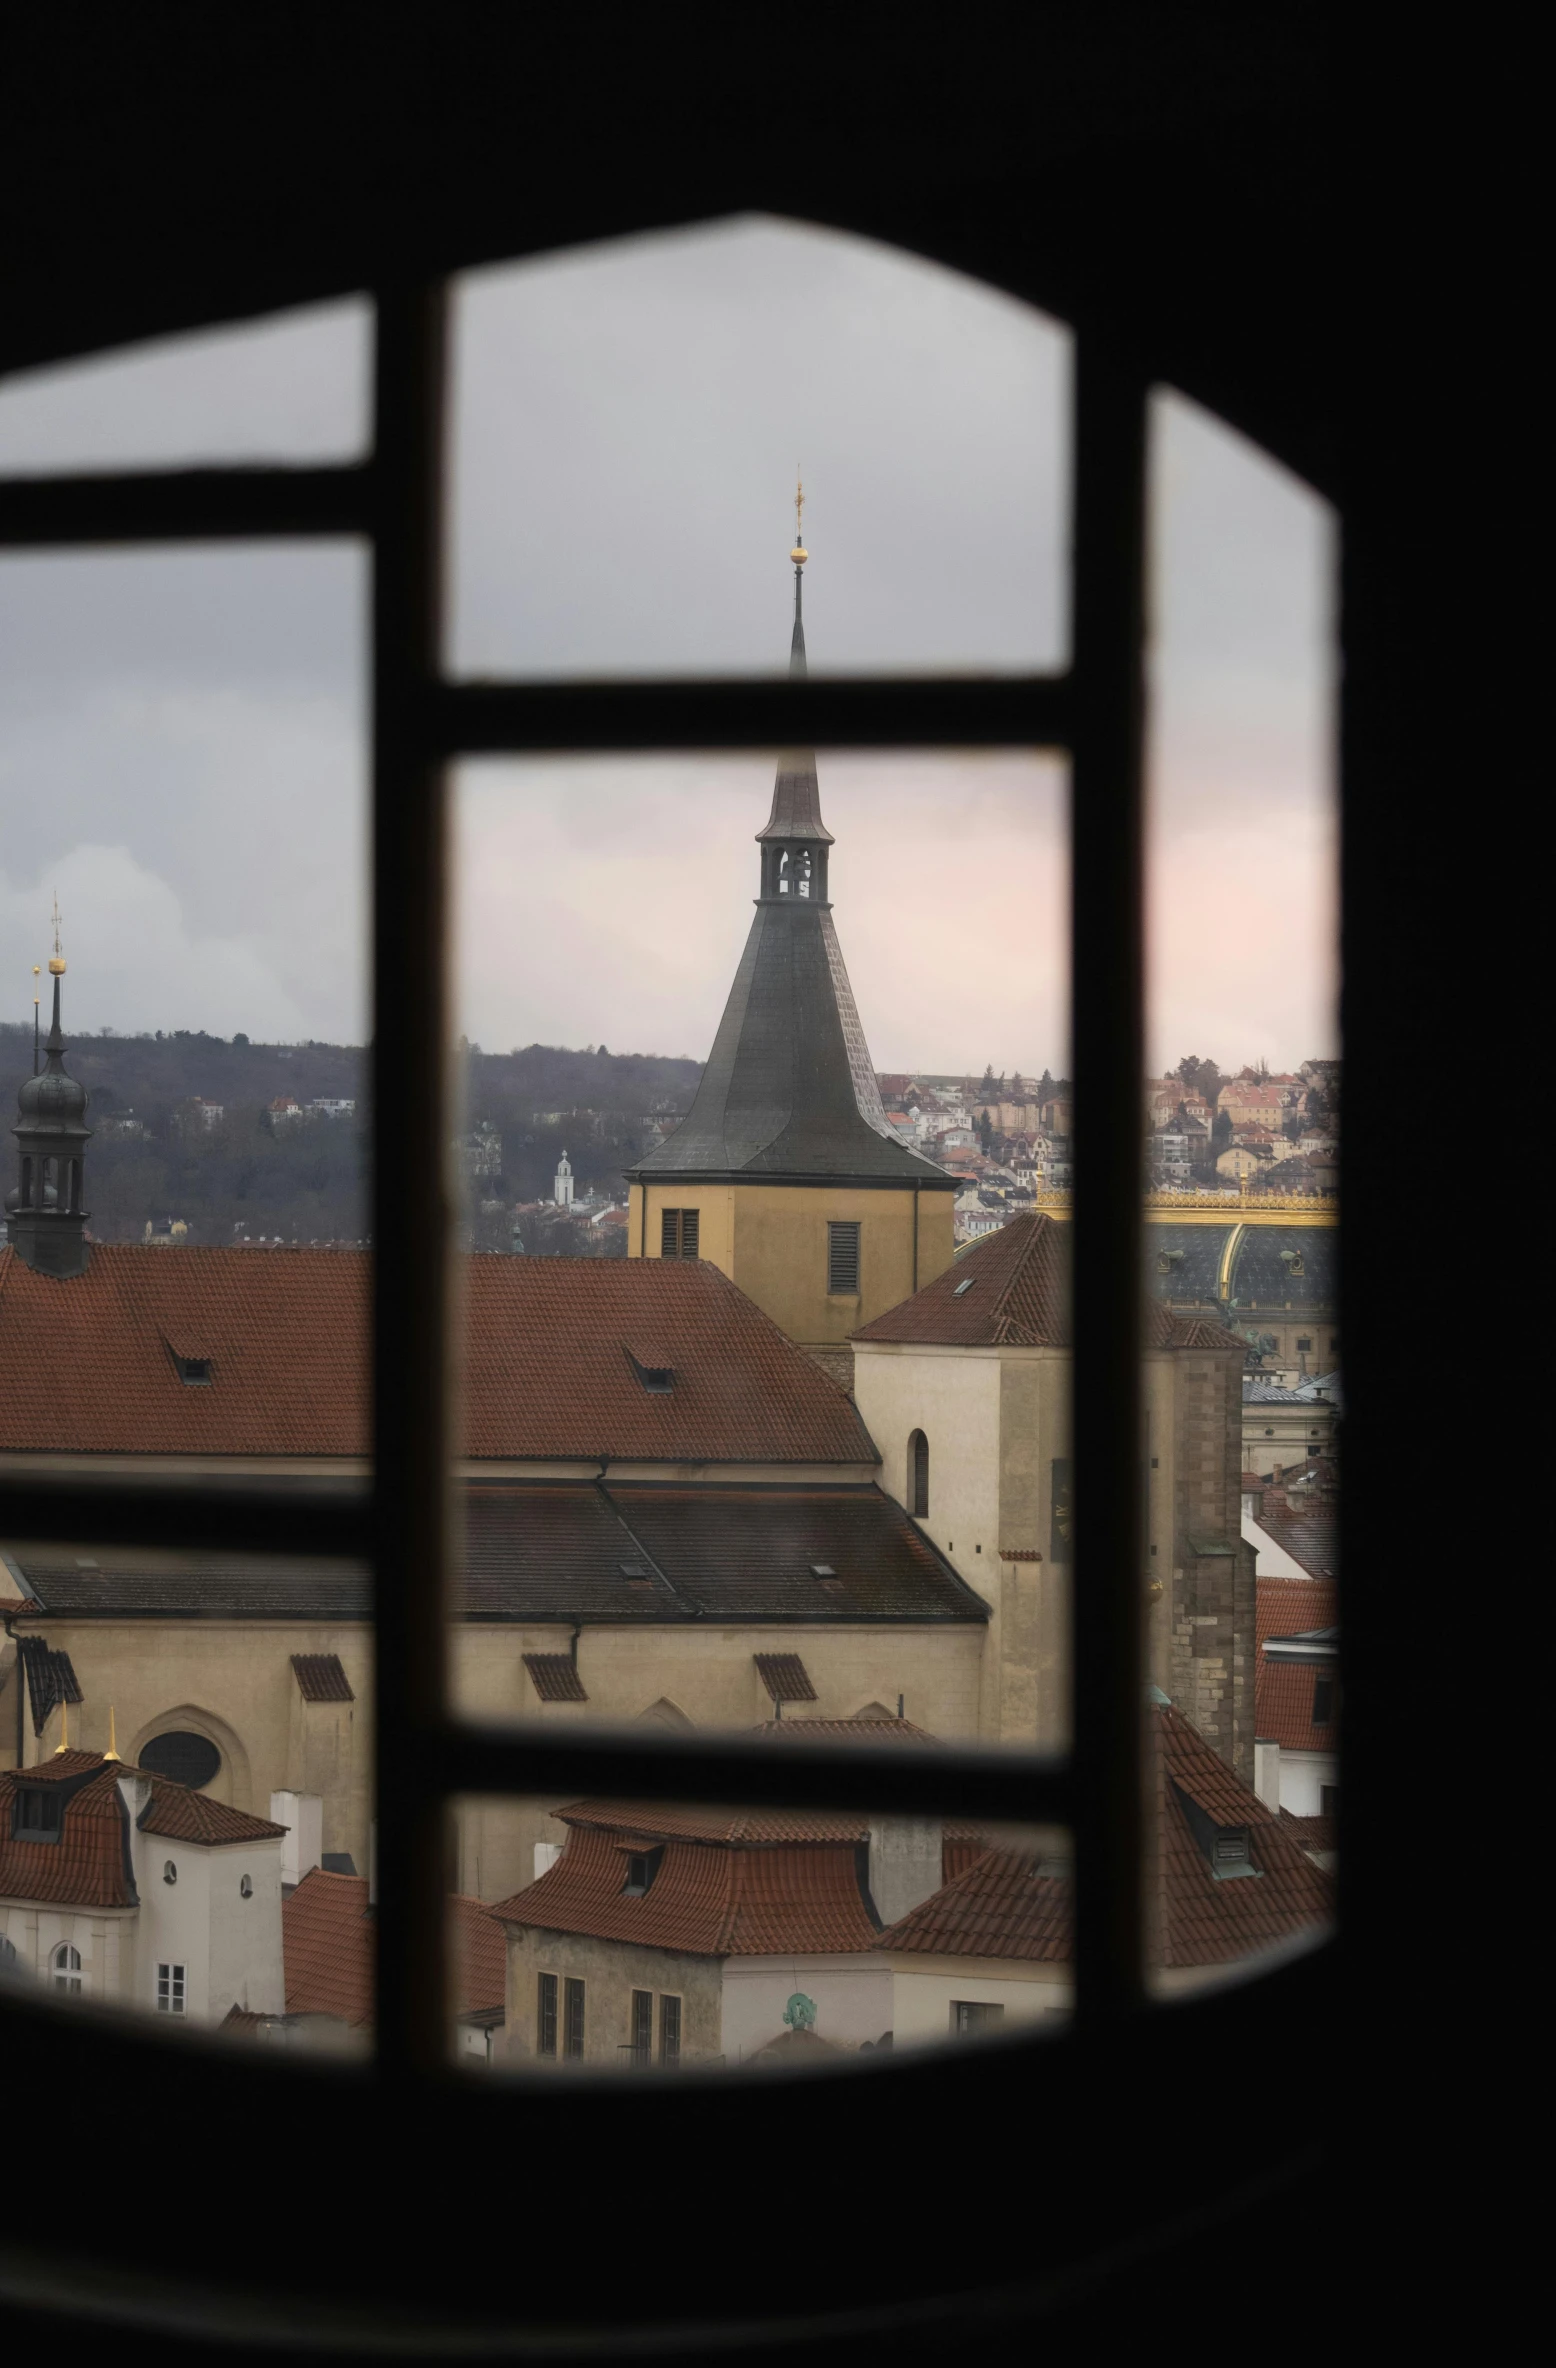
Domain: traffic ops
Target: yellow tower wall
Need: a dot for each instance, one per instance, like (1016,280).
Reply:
(771,1240)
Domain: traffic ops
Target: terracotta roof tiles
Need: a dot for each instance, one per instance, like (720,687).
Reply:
(89,1866)
(328,1937)
(320,1678)
(87,1366)
(1012,1289)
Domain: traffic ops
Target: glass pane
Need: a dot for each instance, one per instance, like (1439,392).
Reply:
(1242,1383)
(291,388)
(766,1322)
(657,1939)
(188,1830)
(185,1284)
(628,423)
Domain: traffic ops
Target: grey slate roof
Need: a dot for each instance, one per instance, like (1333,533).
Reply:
(1259,1279)
(549,1551)
(789,1089)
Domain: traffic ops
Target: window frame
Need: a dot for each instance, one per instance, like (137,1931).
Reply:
(845,1253)
(1091,710)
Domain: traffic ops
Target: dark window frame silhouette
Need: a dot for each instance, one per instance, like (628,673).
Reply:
(423,721)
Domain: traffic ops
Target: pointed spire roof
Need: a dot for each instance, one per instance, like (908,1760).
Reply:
(796,810)
(789,1089)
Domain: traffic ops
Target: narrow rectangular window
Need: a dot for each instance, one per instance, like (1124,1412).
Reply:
(170,1989)
(573,2019)
(678,1232)
(972,2015)
(642,2041)
(545,2016)
(1323,1701)
(670,2032)
(843,1258)
(1329,1800)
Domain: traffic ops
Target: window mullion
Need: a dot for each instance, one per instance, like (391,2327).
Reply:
(1109,1056)
(411,1197)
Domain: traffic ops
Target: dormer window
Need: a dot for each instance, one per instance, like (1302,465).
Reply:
(193,1372)
(39,1814)
(659,1379)
(642,1867)
(963,1288)
(1223,1847)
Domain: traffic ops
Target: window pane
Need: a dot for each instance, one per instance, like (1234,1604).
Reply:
(290,388)
(1241,1126)
(748,1333)
(185,1279)
(628,420)
(819,1937)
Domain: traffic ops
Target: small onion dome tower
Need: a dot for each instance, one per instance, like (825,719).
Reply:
(47,1210)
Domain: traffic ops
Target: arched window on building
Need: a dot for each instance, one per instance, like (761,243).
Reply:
(65,1965)
(918,1475)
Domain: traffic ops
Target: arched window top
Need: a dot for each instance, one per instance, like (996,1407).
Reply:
(65,1965)
(918,1475)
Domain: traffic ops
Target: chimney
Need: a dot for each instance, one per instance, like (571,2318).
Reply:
(1266,1774)
(905,1864)
(302,1813)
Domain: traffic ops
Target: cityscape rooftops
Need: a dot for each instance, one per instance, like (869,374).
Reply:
(218,1353)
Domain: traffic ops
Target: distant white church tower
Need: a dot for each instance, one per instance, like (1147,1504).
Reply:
(562,1190)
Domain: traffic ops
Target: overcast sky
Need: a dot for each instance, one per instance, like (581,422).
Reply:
(181,734)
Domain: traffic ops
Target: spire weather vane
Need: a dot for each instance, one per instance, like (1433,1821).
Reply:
(799,554)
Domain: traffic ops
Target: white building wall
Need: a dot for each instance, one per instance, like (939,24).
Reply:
(1303,1775)
(245,1934)
(852,1993)
(923,1994)
(175,1921)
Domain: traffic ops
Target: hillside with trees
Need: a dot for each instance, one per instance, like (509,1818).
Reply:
(194,1130)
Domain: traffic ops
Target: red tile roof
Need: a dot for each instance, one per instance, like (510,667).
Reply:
(89,1865)
(1198,1919)
(320,1678)
(1012,1289)
(480,1957)
(555,1677)
(1301,1510)
(87,1365)
(1001,1908)
(327,1941)
(1284,1690)
(183,1816)
(785,1676)
(705,1900)
(328,1938)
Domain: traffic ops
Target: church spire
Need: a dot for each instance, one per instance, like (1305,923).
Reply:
(46,1210)
(795,840)
(799,555)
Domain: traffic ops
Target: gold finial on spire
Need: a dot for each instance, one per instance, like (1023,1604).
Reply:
(112,1752)
(799,554)
(56,959)
(64,1727)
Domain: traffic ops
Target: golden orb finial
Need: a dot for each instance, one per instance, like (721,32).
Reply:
(112,1753)
(799,554)
(56,959)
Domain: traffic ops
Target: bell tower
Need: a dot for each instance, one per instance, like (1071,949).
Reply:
(46,1208)
(786,1172)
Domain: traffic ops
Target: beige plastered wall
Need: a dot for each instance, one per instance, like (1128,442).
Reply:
(610,1972)
(771,1239)
(924,1989)
(685,1677)
(233,1682)
(996,1420)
